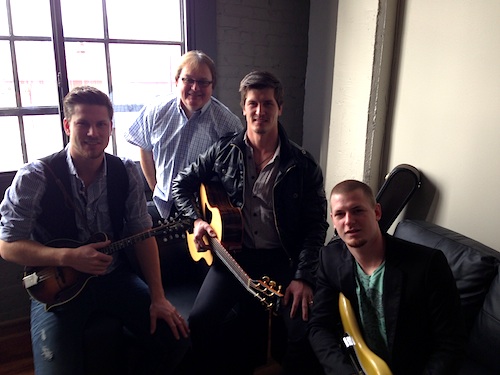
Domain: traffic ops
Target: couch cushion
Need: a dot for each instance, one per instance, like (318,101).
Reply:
(473,264)
(484,341)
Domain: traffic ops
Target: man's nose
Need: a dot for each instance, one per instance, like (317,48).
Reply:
(92,130)
(348,218)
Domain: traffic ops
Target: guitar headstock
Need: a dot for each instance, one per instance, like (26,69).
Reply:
(268,292)
(172,228)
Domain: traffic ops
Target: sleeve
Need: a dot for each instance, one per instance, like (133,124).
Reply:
(136,212)
(139,133)
(21,204)
(313,223)
(325,327)
(188,181)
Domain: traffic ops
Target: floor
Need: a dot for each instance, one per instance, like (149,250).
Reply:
(16,357)
(15,348)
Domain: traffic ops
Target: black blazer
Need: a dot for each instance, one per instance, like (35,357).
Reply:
(425,330)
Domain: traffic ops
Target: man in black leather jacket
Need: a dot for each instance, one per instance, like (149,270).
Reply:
(279,188)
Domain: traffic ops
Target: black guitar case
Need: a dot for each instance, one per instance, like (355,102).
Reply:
(398,188)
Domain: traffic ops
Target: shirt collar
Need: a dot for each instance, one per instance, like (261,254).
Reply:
(250,149)
(200,111)
(72,169)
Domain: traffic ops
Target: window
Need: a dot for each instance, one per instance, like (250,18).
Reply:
(126,48)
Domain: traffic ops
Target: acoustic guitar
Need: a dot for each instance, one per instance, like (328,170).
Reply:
(55,286)
(362,358)
(227,222)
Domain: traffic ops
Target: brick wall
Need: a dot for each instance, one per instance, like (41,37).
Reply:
(265,35)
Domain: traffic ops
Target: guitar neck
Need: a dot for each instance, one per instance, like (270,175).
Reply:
(231,264)
(170,229)
(121,244)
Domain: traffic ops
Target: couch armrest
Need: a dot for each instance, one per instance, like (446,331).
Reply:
(473,264)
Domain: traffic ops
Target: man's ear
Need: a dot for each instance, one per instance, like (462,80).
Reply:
(378,211)
(66,126)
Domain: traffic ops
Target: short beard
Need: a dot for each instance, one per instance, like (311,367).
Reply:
(357,243)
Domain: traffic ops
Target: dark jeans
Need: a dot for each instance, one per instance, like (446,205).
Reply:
(57,335)
(229,326)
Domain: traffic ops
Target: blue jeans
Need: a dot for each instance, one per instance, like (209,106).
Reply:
(57,335)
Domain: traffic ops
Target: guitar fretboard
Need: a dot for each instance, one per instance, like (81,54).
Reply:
(171,229)
(231,263)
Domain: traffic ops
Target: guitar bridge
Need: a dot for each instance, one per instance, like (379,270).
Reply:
(30,280)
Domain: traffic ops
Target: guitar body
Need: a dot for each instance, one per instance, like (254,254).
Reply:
(223,217)
(55,286)
(60,284)
(227,223)
(370,363)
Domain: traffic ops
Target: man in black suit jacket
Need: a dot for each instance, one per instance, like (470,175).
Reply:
(403,295)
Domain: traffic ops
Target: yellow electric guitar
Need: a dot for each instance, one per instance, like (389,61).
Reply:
(227,222)
(364,360)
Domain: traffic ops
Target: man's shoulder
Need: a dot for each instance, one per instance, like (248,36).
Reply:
(405,251)
(334,248)
(222,111)
(161,104)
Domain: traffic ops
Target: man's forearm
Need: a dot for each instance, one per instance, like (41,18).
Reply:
(148,168)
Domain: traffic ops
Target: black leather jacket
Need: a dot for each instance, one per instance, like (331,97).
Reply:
(299,196)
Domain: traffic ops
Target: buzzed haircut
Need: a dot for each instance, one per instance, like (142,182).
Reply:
(86,95)
(261,80)
(196,58)
(349,186)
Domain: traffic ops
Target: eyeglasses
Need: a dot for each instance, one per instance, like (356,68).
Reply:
(191,82)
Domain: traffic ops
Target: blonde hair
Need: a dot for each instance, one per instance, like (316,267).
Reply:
(348,186)
(196,58)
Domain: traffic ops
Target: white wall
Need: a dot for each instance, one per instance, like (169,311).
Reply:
(447,111)
(444,109)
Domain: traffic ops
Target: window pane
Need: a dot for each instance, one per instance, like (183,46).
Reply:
(37,73)
(46,128)
(141,72)
(4,26)
(122,121)
(10,143)
(146,20)
(86,65)
(76,16)
(7,92)
(31,18)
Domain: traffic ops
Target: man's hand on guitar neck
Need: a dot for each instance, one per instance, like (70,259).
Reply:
(201,229)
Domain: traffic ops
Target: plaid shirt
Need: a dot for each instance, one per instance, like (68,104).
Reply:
(21,204)
(176,141)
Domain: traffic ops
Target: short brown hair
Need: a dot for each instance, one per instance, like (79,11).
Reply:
(86,95)
(261,80)
(196,58)
(348,186)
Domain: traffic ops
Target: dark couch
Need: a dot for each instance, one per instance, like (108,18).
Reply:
(476,271)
